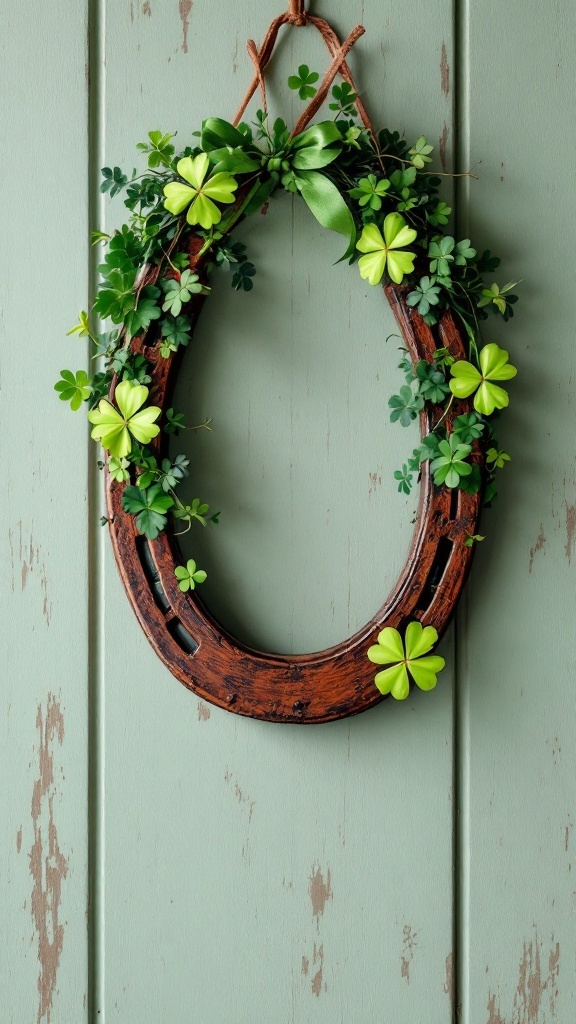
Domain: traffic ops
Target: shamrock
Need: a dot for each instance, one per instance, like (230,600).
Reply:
(149,507)
(73,388)
(304,82)
(405,406)
(440,251)
(369,191)
(468,427)
(497,457)
(382,253)
(118,469)
(199,194)
(405,479)
(403,658)
(499,298)
(180,290)
(449,465)
(419,154)
(426,294)
(440,214)
(188,575)
(115,429)
(467,379)
(432,382)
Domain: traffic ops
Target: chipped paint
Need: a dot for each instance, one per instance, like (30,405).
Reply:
(570,530)
(305,966)
(184,8)
(442,143)
(407,954)
(444,70)
(532,988)
(538,546)
(146,9)
(248,805)
(318,958)
(19,840)
(449,984)
(320,892)
(48,866)
(567,832)
(203,712)
(30,565)
(375,481)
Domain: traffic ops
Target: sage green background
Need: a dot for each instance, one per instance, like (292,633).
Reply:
(166,861)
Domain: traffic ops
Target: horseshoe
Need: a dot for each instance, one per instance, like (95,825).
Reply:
(310,688)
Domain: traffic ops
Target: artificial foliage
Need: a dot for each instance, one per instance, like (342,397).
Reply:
(380,193)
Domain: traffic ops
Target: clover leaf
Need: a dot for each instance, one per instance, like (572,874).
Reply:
(497,458)
(420,153)
(369,191)
(449,466)
(180,290)
(425,294)
(432,382)
(439,215)
(115,428)
(410,656)
(73,388)
(176,330)
(463,253)
(440,251)
(174,472)
(201,193)
(468,427)
(242,277)
(303,82)
(382,252)
(405,479)
(188,575)
(499,298)
(82,328)
(118,469)
(345,99)
(149,506)
(405,406)
(467,379)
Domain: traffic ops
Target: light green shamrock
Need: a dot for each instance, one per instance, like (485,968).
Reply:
(115,429)
(188,575)
(382,252)
(468,379)
(199,193)
(403,658)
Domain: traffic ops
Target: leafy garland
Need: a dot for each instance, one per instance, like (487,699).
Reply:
(378,192)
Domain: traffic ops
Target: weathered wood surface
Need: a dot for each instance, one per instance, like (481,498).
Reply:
(251,872)
(257,872)
(43,541)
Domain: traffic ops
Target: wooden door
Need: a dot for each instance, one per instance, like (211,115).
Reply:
(165,860)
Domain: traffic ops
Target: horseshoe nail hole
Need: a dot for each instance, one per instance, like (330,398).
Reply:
(183,638)
(151,574)
(454,502)
(437,569)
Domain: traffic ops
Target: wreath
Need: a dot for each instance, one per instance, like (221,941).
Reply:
(380,193)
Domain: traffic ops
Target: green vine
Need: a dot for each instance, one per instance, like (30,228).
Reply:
(380,194)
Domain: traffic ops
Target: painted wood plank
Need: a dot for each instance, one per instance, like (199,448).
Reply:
(518,717)
(254,872)
(43,550)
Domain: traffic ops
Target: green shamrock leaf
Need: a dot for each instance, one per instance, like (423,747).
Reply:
(180,290)
(420,153)
(118,469)
(468,427)
(369,191)
(149,507)
(405,406)
(174,472)
(440,215)
(432,382)
(115,428)
(82,328)
(188,575)
(425,294)
(345,99)
(73,388)
(473,538)
(440,252)
(405,479)
(382,252)
(201,194)
(468,379)
(499,298)
(303,82)
(406,657)
(449,466)
(463,253)
(497,458)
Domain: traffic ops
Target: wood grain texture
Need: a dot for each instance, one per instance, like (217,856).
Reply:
(44,563)
(255,872)
(517,637)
